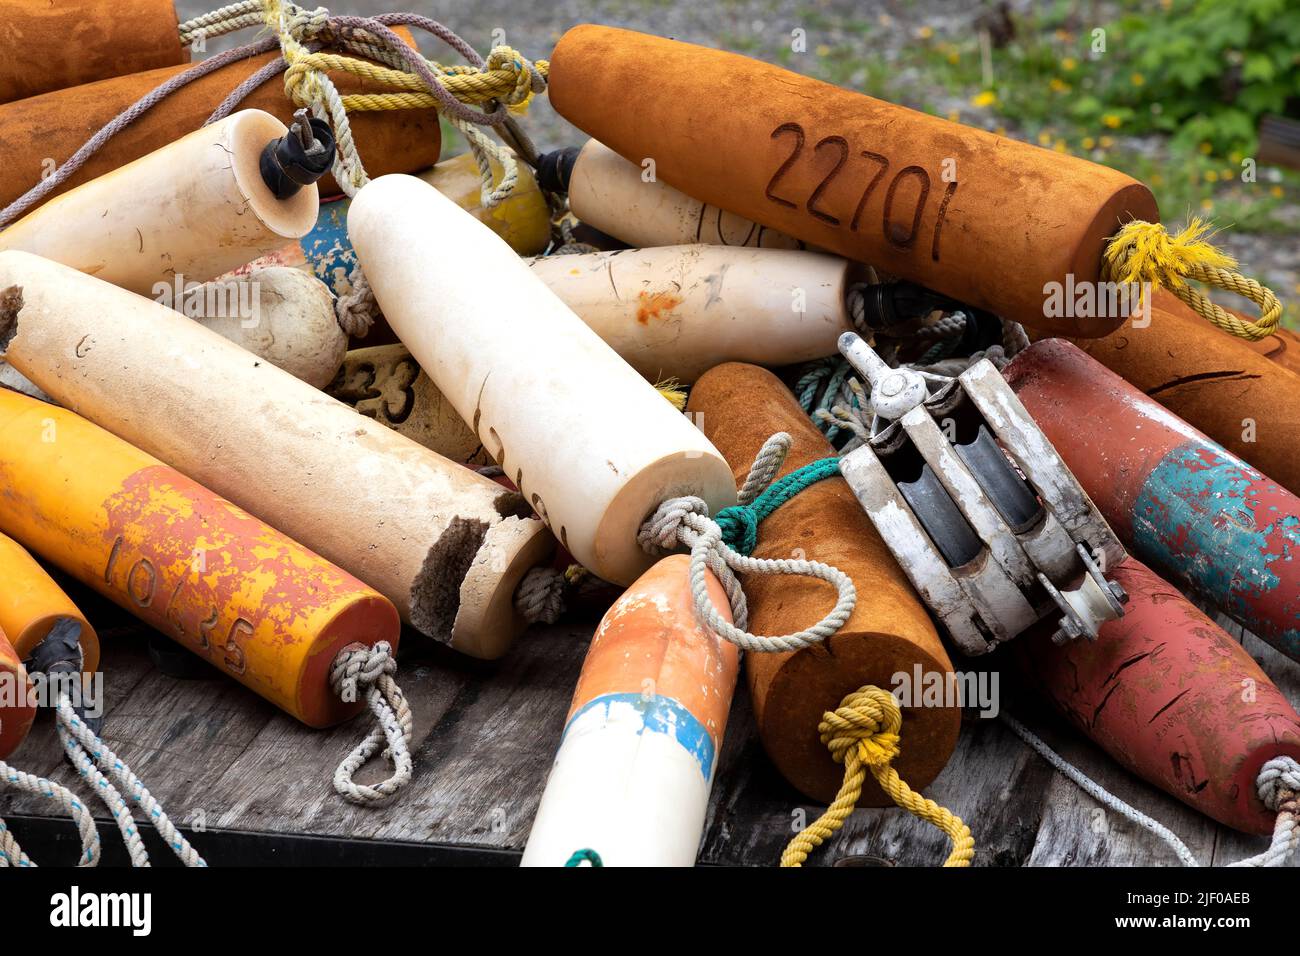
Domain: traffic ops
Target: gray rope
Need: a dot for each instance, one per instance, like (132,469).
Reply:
(219,22)
(11,854)
(357,309)
(371,669)
(1100,793)
(540,595)
(82,745)
(1277,784)
(685,521)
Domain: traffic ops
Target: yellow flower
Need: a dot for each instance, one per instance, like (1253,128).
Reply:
(1069,63)
(1088,142)
(1235,157)
(1205,149)
(1106,142)
(954,116)
(1060,146)
(925,32)
(1211,176)
(1137,79)
(1276,192)
(1207,204)
(986,98)
(1111,120)
(1059,85)
(1044,138)
(823,50)
(954,57)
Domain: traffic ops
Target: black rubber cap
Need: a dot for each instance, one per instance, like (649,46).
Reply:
(556,167)
(287,165)
(895,303)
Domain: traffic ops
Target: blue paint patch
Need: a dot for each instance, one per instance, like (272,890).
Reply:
(662,715)
(1209,520)
(327,248)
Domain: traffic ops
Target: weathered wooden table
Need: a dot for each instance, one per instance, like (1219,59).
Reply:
(251,785)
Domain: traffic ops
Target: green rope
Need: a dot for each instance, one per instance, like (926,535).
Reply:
(739,523)
(584,856)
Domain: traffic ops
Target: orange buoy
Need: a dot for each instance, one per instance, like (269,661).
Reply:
(253,603)
(17,701)
(640,746)
(31,603)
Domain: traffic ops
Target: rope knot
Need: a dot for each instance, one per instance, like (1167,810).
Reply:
(867,720)
(357,668)
(739,525)
(1278,780)
(669,525)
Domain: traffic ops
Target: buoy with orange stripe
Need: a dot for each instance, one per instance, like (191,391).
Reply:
(640,747)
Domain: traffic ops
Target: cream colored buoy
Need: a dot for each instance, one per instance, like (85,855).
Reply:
(195,210)
(591,445)
(283,315)
(677,311)
(386,383)
(623,200)
(446,545)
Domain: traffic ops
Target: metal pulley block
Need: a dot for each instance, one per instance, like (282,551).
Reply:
(977,506)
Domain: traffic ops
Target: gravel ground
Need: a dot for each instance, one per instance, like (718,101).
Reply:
(874,30)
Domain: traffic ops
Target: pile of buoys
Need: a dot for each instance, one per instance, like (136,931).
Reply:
(195,424)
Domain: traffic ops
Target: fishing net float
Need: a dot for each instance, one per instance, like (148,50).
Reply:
(677,311)
(446,545)
(1216,383)
(1172,697)
(196,208)
(52,46)
(1194,512)
(384,382)
(643,735)
(56,125)
(614,195)
(255,604)
(32,605)
(851,174)
(888,633)
(500,346)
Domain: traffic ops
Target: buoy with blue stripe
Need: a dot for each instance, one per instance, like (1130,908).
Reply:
(635,766)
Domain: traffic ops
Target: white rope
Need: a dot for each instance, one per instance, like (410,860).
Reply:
(686,521)
(540,595)
(1100,793)
(90,755)
(371,669)
(1278,783)
(219,22)
(11,854)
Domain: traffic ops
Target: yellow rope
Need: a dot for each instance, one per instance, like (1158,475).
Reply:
(1144,252)
(863,732)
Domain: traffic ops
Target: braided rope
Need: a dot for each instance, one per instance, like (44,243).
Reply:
(11,854)
(863,734)
(90,755)
(371,669)
(685,521)
(1278,784)
(540,595)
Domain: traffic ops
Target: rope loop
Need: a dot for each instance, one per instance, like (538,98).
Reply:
(685,521)
(356,670)
(1278,784)
(11,854)
(862,733)
(1145,252)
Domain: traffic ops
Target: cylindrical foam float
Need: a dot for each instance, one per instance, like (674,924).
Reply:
(1173,698)
(385,383)
(17,701)
(591,445)
(1214,381)
(985,219)
(677,311)
(1193,511)
(446,545)
(523,221)
(283,315)
(253,603)
(640,747)
(620,199)
(53,126)
(186,213)
(52,44)
(31,603)
(889,640)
